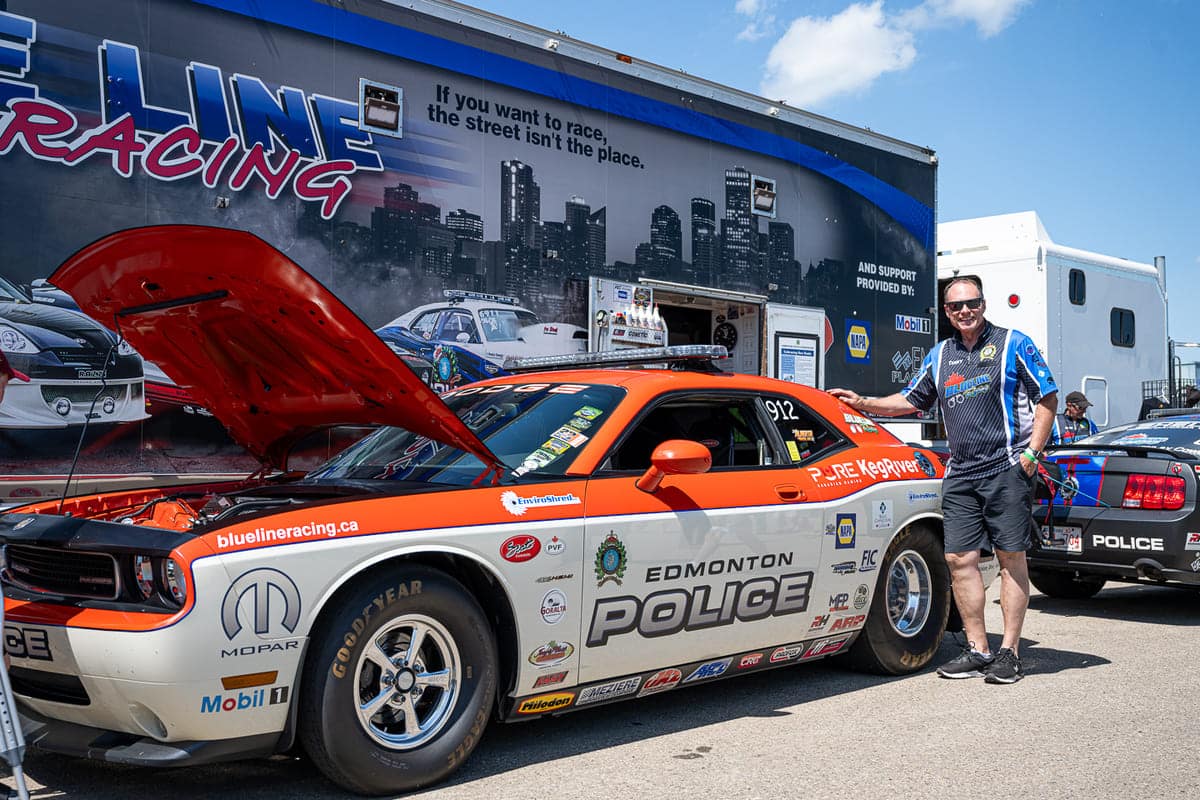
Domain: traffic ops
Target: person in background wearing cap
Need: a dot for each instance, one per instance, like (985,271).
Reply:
(1073,423)
(997,399)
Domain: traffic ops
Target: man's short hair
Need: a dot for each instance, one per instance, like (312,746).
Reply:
(973,279)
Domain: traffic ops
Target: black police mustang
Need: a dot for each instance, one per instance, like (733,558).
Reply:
(1121,505)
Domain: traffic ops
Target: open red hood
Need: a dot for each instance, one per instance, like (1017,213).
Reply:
(253,337)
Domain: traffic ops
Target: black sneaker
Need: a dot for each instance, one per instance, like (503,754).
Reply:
(1006,668)
(970,663)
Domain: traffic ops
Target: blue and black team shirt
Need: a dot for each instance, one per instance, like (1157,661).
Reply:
(986,396)
(1067,430)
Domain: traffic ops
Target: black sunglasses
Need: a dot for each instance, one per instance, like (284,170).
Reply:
(957,305)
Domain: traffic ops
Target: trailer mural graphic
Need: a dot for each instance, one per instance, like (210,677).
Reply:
(398,156)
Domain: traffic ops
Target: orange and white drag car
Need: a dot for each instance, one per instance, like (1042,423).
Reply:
(522,546)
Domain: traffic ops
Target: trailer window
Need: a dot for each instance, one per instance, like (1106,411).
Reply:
(1077,287)
(1121,327)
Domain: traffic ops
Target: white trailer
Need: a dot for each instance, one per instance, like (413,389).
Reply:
(1100,321)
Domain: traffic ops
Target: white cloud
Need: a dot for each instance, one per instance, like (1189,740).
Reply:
(762,22)
(989,16)
(819,57)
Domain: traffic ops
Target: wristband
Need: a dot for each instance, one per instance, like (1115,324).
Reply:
(1030,454)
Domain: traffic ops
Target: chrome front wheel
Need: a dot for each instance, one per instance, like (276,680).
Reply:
(909,595)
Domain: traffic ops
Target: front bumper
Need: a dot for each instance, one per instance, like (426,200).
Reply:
(71,739)
(62,403)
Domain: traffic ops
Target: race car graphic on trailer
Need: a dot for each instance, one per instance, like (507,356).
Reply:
(77,370)
(524,545)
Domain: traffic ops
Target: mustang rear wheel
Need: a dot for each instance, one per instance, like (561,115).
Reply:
(912,602)
(399,683)
(1065,585)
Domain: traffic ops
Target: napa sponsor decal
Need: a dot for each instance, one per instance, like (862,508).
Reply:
(517,505)
(609,691)
(285,533)
(546,702)
(845,528)
(858,341)
(237,132)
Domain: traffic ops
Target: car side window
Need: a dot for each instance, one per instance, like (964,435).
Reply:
(456,323)
(425,324)
(805,434)
(728,427)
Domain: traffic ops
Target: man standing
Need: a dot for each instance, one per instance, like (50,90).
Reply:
(1073,423)
(986,381)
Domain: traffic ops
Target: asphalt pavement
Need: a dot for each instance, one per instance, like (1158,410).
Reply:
(1107,710)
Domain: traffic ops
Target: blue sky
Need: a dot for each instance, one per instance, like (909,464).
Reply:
(1086,111)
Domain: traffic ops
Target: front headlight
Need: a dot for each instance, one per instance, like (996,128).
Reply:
(174,580)
(124,348)
(143,575)
(13,341)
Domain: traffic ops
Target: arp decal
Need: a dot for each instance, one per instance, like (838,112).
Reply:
(256,589)
(846,623)
(668,612)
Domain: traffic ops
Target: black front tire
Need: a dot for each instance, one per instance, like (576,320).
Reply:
(380,716)
(908,614)
(1064,585)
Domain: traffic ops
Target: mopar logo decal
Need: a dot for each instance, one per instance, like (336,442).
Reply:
(257,587)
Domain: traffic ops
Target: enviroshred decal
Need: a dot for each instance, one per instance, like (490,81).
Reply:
(237,131)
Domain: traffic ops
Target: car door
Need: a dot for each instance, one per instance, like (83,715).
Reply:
(709,565)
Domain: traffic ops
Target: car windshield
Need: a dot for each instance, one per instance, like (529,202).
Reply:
(504,324)
(10,293)
(534,428)
(1179,434)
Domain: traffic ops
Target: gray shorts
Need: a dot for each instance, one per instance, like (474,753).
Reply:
(994,513)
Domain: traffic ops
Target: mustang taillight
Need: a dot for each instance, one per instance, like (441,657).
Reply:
(1164,492)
